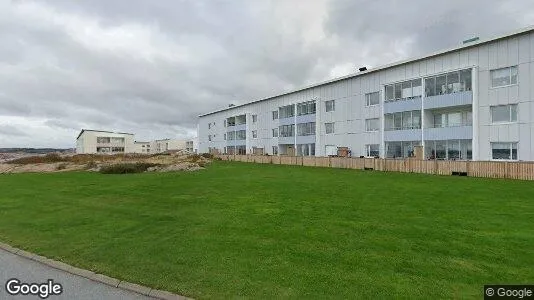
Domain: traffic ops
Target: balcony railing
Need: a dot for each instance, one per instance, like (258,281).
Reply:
(461,124)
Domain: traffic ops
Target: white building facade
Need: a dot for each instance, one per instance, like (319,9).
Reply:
(104,142)
(474,102)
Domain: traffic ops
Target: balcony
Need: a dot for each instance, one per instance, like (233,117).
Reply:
(460,131)
(406,104)
(449,100)
(403,135)
(306,118)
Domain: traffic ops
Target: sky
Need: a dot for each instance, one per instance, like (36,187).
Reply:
(151,67)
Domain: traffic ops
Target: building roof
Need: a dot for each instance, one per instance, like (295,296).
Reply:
(386,66)
(83,130)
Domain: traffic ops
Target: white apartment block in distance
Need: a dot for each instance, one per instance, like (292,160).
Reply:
(473,102)
(105,142)
(142,147)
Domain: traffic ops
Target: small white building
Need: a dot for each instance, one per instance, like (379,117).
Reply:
(142,147)
(104,142)
(159,146)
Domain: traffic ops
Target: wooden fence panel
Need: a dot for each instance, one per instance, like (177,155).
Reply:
(488,169)
(309,161)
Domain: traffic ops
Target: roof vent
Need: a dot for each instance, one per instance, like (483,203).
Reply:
(363,69)
(471,40)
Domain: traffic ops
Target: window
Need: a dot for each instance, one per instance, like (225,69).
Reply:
(242,119)
(330,105)
(504,113)
(230,135)
(453,119)
(231,122)
(275,114)
(103,140)
(504,76)
(241,135)
(275,132)
(329,128)
(403,120)
(306,108)
(452,82)
(209,125)
(504,151)
(224,123)
(287,111)
(287,130)
(372,150)
(209,137)
(304,129)
(275,150)
(403,90)
(372,99)
(372,124)
(225,136)
(401,149)
(254,134)
(254,118)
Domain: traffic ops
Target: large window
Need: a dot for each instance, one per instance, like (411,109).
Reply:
(453,82)
(504,113)
(403,90)
(306,108)
(504,151)
(242,119)
(231,121)
(287,111)
(372,99)
(372,150)
(230,135)
(504,76)
(403,120)
(275,132)
(401,149)
(453,119)
(372,124)
(449,150)
(329,128)
(330,105)
(117,140)
(275,114)
(306,129)
(287,130)
(241,135)
(103,140)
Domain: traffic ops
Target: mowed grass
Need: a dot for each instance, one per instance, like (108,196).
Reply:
(264,231)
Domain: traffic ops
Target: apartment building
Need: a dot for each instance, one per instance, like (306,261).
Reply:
(473,102)
(159,146)
(142,147)
(105,142)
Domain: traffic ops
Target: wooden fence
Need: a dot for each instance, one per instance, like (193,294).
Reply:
(489,169)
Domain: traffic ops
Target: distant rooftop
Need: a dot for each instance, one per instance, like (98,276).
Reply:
(83,130)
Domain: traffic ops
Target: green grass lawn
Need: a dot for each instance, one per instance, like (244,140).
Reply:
(258,231)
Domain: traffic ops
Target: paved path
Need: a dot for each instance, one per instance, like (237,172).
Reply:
(74,287)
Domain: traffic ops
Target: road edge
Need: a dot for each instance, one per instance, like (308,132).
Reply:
(100,278)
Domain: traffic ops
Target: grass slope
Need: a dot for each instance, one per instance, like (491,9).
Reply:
(249,230)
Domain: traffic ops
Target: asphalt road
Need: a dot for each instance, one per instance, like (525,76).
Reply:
(74,287)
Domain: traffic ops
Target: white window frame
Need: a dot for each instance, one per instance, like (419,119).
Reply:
(509,114)
(275,132)
(326,127)
(332,104)
(509,76)
(367,121)
(368,150)
(275,114)
(368,98)
(511,144)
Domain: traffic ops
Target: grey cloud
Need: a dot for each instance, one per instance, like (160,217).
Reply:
(11,131)
(118,65)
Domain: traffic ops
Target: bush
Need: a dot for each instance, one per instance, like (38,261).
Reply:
(62,166)
(91,165)
(207,155)
(194,157)
(126,168)
(48,158)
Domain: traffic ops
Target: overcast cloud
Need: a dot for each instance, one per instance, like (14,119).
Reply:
(151,67)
